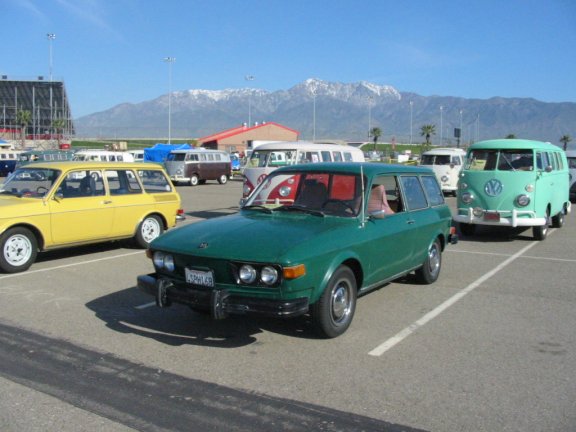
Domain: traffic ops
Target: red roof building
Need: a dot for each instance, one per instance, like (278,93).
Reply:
(237,139)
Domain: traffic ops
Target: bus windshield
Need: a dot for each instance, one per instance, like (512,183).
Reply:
(272,158)
(501,160)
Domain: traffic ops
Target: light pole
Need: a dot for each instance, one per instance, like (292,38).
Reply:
(441,125)
(51,37)
(314,115)
(411,104)
(169,60)
(249,78)
(370,99)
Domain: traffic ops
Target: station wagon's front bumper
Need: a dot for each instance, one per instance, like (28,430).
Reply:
(218,302)
(512,218)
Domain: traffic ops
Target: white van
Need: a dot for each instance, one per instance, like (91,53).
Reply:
(446,164)
(267,157)
(195,166)
(103,156)
(571,156)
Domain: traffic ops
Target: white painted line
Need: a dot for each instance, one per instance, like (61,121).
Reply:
(145,305)
(68,265)
(539,258)
(403,334)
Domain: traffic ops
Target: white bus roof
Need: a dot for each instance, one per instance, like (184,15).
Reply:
(305,145)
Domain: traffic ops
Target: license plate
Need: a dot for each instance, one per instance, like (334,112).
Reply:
(492,216)
(202,278)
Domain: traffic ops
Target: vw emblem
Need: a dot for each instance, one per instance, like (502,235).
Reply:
(493,188)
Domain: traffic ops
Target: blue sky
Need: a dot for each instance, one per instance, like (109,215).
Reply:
(111,51)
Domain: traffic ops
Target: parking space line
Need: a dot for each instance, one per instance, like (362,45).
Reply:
(29,272)
(539,258)
(403,334)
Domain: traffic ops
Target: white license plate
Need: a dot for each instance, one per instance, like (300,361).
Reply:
(202,278)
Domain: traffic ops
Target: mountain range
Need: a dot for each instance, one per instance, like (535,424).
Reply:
(330,110)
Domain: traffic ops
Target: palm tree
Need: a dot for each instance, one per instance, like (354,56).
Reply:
(510,136)
(375,133)
(59,125)
(23,118)
(565,140)
(427,131)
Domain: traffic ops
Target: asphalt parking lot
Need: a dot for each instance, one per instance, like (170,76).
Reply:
(489,347)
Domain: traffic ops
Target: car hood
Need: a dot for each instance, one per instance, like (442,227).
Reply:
(12,206)
(249,236)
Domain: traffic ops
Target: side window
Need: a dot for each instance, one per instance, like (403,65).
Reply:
(542,160)
(82,184)
(559,161)
(326,156)
(456,160)
(122,182)
(384,195)
(433,191)
(337,156)
(202,157)
(348,157)
(414,197)
(154,181)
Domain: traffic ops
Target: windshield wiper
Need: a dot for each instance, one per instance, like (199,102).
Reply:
(258,207)
(302,209)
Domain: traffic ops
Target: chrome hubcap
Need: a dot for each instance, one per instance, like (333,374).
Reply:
(17,250)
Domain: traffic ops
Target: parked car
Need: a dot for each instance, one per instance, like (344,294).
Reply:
(195,166)
(45,206)
(309,239)
(571,156)
(446,164)
(513,183)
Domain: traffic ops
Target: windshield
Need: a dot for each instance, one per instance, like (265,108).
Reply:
(272,158)
(435,160)
(335,194)
(30,182)
(501,160)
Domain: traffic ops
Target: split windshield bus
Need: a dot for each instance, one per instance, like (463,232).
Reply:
(513,183)
(446,164)
(268,157)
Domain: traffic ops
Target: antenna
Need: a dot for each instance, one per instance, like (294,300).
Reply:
(362,200)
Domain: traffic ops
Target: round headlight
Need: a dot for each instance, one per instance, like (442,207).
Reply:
(444,179)
(159,259)
(467,197)
(169,263)
(285,191)
(247,274)
(178,171)
(523,200)
(269,275)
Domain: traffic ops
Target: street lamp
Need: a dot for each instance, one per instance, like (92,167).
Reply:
(169,60)
(411,104)
(441,125)
(370,99)
(249,78)
(314,115)
(51,37)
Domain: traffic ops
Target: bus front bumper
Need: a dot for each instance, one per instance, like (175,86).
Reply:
(513,218)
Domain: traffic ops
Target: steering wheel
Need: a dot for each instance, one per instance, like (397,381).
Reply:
(347,207)
(40,190)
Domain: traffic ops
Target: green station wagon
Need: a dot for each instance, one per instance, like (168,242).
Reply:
(308,240)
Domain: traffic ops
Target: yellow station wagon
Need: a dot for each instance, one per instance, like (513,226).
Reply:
(45,206)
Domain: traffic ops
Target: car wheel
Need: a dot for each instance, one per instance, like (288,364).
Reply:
(558,220)
(223,179)
(430,269)
(149,229)
(194,180)
(333,312)
(540,232)
(467,229)
(19,250)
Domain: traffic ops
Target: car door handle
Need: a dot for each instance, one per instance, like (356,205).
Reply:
(106,202)
(410,221)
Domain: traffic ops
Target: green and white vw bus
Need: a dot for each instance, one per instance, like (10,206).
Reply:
(514,183)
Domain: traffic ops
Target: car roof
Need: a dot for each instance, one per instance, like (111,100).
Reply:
(439,151)
(513,144)
(369,168)
(93,165)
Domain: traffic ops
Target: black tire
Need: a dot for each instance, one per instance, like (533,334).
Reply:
(540,232)
(333,312)
(223,179)
(18,250)
(432,265)
(558,220)
(148,230)
(467,229)
(194,180)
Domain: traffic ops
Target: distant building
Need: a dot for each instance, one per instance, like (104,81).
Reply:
(237,139)
(47,104)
